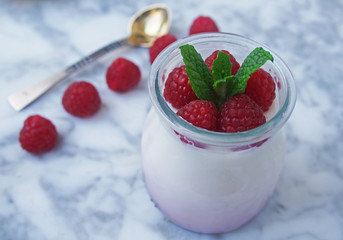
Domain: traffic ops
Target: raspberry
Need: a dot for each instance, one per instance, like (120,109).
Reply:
(261,88)
(235,65)
(122,75)
(240,113)
(177,90)
(81,99)
(38,135)
(159,44)
(203,24)
(200,113)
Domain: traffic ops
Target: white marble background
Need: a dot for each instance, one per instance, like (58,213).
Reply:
(90,186)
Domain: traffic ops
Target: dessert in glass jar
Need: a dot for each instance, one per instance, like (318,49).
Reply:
(205,180)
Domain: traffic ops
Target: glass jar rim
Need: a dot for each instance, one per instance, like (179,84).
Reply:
(219,138)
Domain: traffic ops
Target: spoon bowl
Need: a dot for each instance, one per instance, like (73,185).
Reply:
(145,27)
(148,24)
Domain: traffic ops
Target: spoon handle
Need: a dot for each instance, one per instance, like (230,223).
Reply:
(23,98)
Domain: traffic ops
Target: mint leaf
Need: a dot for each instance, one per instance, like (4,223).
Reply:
(251,63)
(200,77)
(223,80)
(221,67)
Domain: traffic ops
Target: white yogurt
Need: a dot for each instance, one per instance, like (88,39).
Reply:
(206,190)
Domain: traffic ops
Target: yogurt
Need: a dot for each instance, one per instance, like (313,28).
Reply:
(205,190)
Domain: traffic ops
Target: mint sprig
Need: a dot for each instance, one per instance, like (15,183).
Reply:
(220,85)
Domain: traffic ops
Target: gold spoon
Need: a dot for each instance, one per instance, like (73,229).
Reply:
(145,26)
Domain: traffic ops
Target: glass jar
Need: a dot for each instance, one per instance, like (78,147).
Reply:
(205,181)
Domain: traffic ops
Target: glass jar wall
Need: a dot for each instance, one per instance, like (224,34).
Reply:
(207,181)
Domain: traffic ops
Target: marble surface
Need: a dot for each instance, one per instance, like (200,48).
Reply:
(90,186)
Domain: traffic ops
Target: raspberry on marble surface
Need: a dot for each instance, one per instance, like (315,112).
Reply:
(38,135)
(81,99)
(160,44)
(203,24)
(122,75)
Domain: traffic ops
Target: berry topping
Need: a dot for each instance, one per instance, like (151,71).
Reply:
(159,44)
(38,135)
(203,24)
(240,113)
(219,84)
(81,99)
(200,113)
(177,90)
(235,65)
(261,88)
(122,75)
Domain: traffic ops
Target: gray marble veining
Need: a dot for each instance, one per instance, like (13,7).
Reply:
(90,186)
